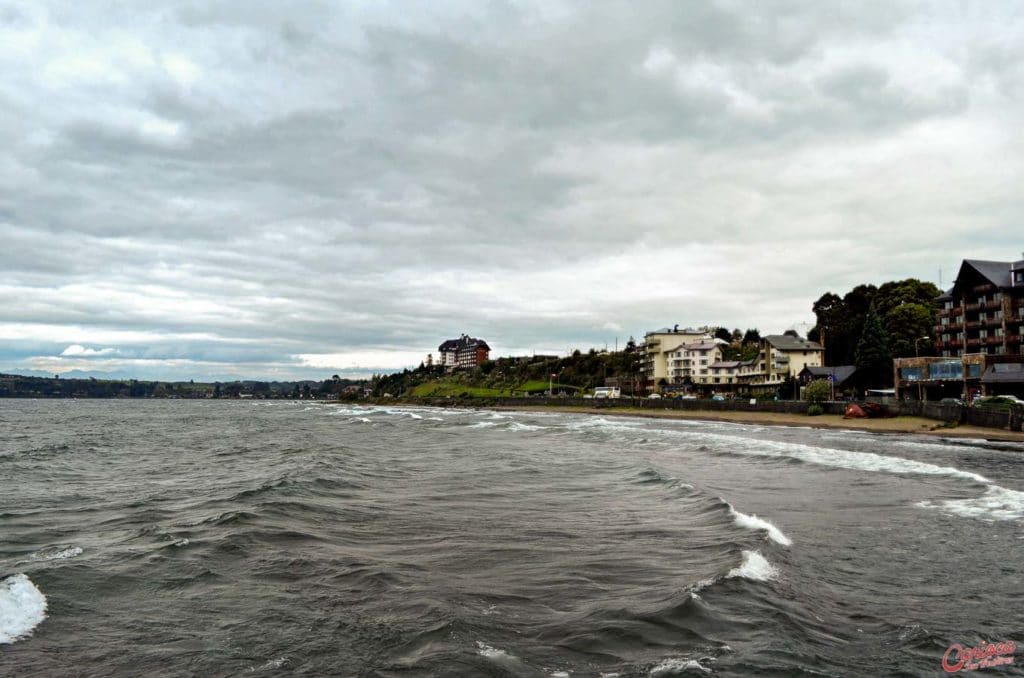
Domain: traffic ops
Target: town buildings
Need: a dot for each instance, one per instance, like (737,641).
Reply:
(677,359)
(463,353)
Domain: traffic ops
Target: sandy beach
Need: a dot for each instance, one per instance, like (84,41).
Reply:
(915,425)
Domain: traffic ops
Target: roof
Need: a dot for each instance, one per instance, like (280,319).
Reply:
(730,364)
(841,372)
(464,341)
(996,272)
(787,342)
(1004,373)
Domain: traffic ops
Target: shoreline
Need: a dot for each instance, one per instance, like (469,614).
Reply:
(896,425)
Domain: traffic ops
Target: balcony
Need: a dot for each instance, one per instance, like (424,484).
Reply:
(993,340)
(975,324)
(974,342)
(972,307)
(993,304)
(955,343)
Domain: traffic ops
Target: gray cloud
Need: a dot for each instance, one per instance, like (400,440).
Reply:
(228,187)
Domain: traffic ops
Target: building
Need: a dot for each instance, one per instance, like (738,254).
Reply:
(655,370)
(465,352)
(690,363)
(841,376)
(983,312)
(980,322)
(786,355)
(677,359)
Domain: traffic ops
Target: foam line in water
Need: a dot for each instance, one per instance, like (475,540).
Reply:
(754,567)
(22,608)
(751,522)
(998,503)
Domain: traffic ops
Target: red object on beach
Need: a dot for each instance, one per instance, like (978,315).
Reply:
(854,411)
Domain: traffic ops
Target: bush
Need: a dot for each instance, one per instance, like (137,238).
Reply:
(815,410)
(818,391)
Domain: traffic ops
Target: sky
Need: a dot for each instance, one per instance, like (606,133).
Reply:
(223,190)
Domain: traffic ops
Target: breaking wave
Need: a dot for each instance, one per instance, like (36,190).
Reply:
(22,608)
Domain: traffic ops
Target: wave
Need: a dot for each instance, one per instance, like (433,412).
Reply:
(518,426)
(22,608)
(998,503)
(57,553)
(752,522)
(754,567)
(675,667)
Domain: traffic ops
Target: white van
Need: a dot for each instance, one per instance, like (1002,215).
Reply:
(607,392)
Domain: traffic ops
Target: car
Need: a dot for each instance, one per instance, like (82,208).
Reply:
(654,396)
(998,402)
(951,401)
(718,396)
(688,396)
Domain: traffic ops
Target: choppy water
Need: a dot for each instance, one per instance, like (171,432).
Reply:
(226,538)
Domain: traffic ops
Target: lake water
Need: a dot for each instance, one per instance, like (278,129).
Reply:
(261,538)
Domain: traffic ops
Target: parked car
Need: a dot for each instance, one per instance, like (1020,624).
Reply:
(718,396)
(688,396)
(654,396)
(951,401)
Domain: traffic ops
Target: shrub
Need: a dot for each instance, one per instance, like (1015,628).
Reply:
(818,391)
(815,410)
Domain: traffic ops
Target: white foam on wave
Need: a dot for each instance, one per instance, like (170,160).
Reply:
(62,554)
(752,522)
(754,567)
(485,650)
(22,608)
(848,459)
(675,667)
(362,420)
(483,424)
(998,503)
(519,426)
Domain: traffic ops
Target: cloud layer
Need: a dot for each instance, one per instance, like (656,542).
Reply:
(221,190)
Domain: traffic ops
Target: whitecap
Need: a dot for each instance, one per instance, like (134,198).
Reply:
(22,608)
(62,554)
(754,567)
(674,667)
(752,522)
(270,665)
(482,424)
(998,503)
(518,426)
(485,650)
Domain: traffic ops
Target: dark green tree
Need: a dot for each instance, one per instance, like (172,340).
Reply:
(873,356)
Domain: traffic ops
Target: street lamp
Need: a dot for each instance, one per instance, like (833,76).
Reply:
(917,354)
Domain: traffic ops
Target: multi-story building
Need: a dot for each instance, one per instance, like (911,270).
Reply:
(984,310)
(786,355)
(689,357)
(978,337)
(691,362)
(654,369)
(463,353)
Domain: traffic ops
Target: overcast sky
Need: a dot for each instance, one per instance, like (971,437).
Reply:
(217,190)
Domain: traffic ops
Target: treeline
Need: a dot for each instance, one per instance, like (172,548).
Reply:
(869,326)
(18,386)
(531,373)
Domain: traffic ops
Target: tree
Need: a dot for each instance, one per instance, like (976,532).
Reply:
(818,391)
(908,326)
(723,334)
(752,336)
(630,345)
(873,356)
